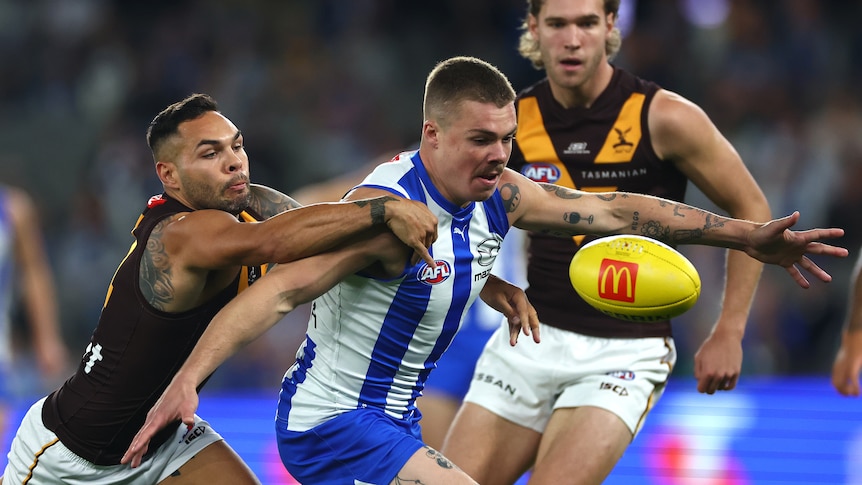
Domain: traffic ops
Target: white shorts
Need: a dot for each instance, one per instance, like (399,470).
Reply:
(526,383)
(38,452)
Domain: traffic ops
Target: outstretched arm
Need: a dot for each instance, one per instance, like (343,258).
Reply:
(213,239)
(560,211)
(252,313)
(848,359)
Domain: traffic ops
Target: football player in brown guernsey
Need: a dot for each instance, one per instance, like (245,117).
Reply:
(592,126)
(195,247)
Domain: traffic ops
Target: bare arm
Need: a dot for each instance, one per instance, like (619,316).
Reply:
(252,313)
(212,239)
(564,212)
(683,134)
(38,290)
(848,359)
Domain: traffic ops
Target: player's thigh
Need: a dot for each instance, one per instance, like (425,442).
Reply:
(489,448)
(429,466)
(216,464)
(438,412)
(580,446)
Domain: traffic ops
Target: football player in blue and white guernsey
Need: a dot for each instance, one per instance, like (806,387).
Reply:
(346,411)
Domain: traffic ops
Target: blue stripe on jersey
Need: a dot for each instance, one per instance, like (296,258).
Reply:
(460,294)
(288,387)
(397,330)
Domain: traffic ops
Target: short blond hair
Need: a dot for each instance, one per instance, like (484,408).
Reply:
(528,47)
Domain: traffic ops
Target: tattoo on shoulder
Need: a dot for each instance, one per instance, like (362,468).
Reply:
(511,195)
(268,202)
(155,276)
(378,207)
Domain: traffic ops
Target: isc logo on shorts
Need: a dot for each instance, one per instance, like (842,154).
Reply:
(193,433)
(436,275)
(541,172)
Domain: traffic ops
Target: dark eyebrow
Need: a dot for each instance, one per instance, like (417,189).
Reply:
(489,133)
(217,142)
(579,18)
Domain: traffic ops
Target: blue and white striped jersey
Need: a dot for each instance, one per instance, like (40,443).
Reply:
(372,342)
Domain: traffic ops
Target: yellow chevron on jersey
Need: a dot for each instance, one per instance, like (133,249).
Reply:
(624,137)
(534,141)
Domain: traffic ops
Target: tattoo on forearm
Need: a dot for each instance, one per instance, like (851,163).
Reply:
(687,235)
(713,221)
(606,197)
(155,276)
(655,230)
(378,208)
(511,195)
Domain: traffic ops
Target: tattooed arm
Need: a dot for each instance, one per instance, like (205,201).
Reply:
(559,211)
(268,202)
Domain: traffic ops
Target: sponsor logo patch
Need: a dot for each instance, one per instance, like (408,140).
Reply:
(436,275)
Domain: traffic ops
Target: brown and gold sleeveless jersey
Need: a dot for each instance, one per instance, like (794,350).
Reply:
(605,147)
(133,353)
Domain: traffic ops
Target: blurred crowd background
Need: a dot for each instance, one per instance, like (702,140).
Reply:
(322,87)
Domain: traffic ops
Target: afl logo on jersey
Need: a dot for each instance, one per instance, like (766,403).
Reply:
(541,172)
(436,275)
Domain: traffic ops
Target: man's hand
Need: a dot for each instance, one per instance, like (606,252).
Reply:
(848,362)
(512,302)
(414,224)
(717,363)
(179,401)
(775,243)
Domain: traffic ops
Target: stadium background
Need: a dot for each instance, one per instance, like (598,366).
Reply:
(321,87)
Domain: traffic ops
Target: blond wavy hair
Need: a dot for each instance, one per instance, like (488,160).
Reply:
(528,47)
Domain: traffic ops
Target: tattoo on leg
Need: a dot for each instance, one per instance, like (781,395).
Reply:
(511,195)
(403,481)
(378,208)
(441,460)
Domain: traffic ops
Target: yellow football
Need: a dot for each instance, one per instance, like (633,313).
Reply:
(634,278)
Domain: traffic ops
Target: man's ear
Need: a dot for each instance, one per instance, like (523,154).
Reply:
(167,173)
(431,132)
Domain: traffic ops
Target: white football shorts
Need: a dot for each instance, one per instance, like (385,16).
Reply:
(37,457)
(526,383)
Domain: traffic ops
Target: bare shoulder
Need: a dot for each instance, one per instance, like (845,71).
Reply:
(268,202)
(670,111)
(678,127)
